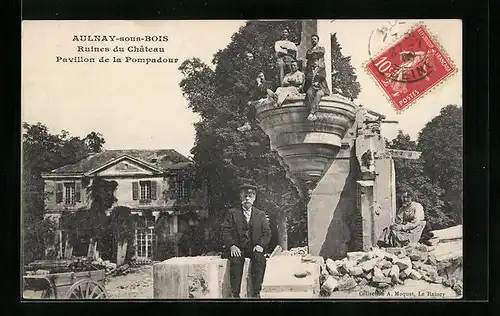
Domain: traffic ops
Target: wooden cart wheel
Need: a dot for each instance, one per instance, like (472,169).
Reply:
(86,289)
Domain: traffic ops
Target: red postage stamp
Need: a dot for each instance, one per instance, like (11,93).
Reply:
(411,67)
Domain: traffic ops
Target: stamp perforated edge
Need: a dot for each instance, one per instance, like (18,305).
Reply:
(396,41)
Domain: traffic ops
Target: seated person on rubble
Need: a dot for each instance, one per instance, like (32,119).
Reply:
(410,226)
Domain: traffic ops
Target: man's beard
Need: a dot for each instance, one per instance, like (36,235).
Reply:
(246,204)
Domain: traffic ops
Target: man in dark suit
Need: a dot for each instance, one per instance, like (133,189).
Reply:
(246,233)
(258,91)
(316,89)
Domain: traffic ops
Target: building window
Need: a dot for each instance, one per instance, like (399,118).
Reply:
(182,190)
(69,193)
(145,190)
(145,240)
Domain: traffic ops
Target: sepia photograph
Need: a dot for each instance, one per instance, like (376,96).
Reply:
(242,159)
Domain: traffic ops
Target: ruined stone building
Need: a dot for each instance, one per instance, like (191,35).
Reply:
(156,185)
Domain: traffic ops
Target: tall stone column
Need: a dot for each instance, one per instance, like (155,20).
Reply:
(322,28)
(324,31)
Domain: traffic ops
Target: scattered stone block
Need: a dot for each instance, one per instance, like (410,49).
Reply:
(382,279)
(384,264)
(415,275)
(394,272)
(417,255)
(426,278)
(331,266)
(369,275)
(383,285)
(369,255)
(430,270)
(355,271)
(436,279)
(417,264)
(367,266)
(379,253)
(390,257)
(431,259)
(458,287)
(345,266)
(403,263)
(386,271)
(421,247)
(324,272)
(355,256)
(363,282)
(276,252)
(396,250)
(347,282)
(405,273)
(329,285)
(377,272)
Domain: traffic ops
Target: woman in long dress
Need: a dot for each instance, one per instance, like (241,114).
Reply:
(410,222)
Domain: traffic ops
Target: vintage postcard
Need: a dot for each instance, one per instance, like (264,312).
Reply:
(242,159)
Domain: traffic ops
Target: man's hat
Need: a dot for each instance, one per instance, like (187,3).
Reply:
(248,184)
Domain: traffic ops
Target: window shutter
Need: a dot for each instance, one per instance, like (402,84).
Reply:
(59,192)
(153,190)
(78,191)
(135,190)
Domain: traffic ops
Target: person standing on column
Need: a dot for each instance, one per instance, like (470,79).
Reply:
(286,51)
(318,87)
(315,52)
(245,234)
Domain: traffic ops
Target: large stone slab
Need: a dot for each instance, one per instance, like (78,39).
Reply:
(280,280)
(196,277)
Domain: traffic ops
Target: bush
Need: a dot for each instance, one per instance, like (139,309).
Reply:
(37,234)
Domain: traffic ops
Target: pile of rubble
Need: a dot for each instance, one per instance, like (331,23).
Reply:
(299,251)
(382,268)
(100,264)
(137,262)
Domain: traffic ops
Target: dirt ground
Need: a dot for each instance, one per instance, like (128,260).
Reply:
(138,284)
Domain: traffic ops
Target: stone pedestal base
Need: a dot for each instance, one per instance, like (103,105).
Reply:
(196,277)
(280,280)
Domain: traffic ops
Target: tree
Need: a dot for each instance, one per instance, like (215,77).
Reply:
(441,143)
(42,152)
(344,79)
(102,197)
(95,142)
(223,154)
(411,177)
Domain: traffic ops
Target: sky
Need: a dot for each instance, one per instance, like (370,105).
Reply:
(134,105)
